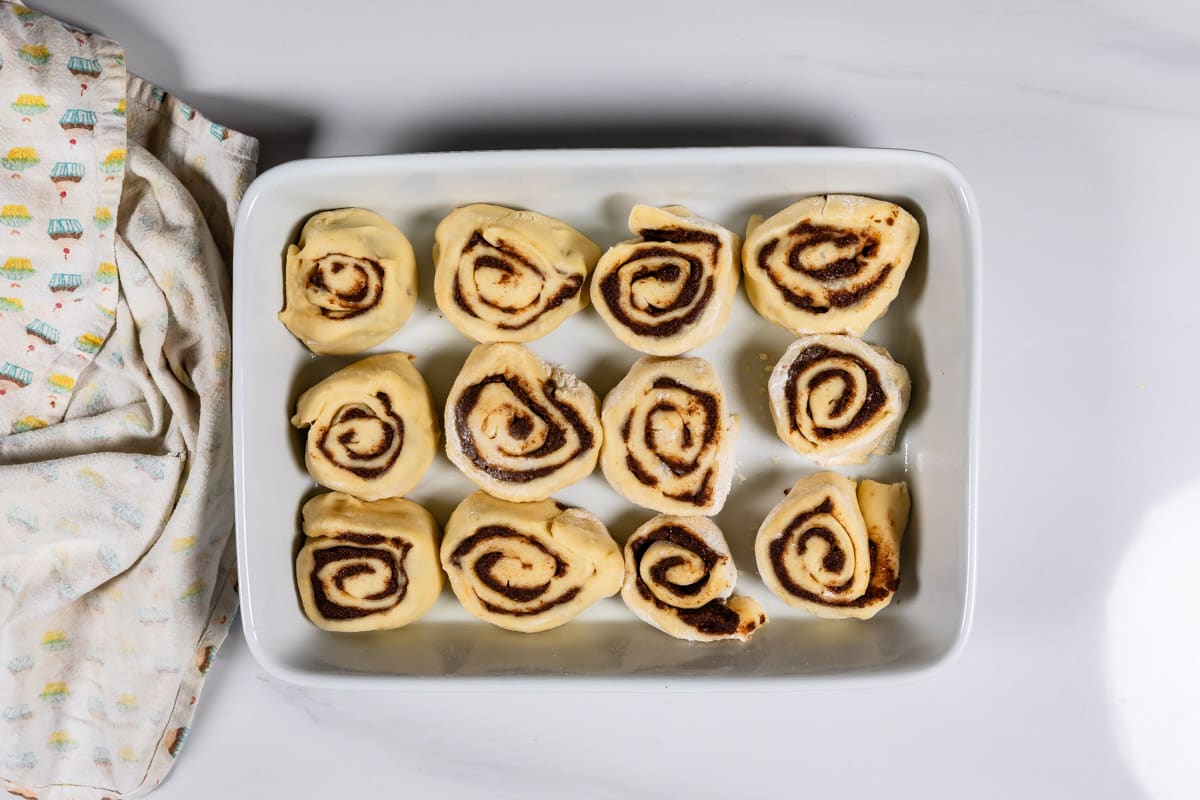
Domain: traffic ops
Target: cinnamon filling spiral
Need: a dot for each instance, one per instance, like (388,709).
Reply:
(519,427)
(507,287)
(829,263)
(839,266)
(837,399)
(349,283)
(372,432)
(674,567)
(531,566)
(362,439)
(517,575)
(676,430)
(366,565)
(832,546)
(816,557)
(668,439)
(657,290)
(857,395)
(358,576)
(504,275)
(344,286)
(680,577)
(671,289)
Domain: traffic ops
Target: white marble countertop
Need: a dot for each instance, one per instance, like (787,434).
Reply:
(1077,124)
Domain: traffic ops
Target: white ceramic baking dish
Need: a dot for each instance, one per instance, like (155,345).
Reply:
(933,328)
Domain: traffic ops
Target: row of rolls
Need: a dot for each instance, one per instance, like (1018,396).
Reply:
(831,547)
(522,429)
(827,264)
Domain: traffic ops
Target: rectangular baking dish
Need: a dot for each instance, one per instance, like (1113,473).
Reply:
(933,328)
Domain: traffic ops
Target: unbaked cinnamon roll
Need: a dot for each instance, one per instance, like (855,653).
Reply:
(668,437)
(680,577)
(518,427)
(367,566)
(372,432)
(528,567)
(671,289)
(828,264)
(350,282)
(833,548)
(509,276)
(837,399)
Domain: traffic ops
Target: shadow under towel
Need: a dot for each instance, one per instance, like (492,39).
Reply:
(117,578)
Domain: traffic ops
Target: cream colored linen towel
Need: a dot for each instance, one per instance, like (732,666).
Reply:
(116,507)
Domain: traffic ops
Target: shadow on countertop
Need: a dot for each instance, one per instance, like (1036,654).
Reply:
(284,133)
(288,132)
(621,128)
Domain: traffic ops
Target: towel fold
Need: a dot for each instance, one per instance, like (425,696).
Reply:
(116,560)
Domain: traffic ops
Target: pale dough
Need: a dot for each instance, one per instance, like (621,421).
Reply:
(509,276)
(519,427)
(828,264)
(671,289)
(680,577)
(350,283)
(669,440)
(367,566)
(814,549)
(837,399)
(528,567)
(372,431)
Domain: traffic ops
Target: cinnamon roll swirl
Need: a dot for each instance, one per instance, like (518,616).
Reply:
(680,576)
(518,427)
(833,548)
(349,283)
(509,276)
(367,566)
(668,438)
(671,289)
(528,567)
(372,432)
(837,399)
(828,264)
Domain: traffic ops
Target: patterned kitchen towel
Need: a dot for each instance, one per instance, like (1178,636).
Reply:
(116,560)
(63,144)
